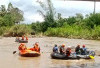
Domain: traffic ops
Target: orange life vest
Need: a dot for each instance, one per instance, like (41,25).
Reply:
(22,37)
(68,51)
(36,48)
(22,47)
(26,38)
(32,49)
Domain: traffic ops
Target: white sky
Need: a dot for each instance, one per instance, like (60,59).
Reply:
(66,8)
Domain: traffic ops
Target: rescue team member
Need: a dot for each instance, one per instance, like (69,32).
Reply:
(83,50)
(36,47)
(68,51)
(22,47)
(62,49)
(55,49)
(26,38)
(17,38)
(23,37)
(77,49)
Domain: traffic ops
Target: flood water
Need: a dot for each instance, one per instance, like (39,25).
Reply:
(10,60)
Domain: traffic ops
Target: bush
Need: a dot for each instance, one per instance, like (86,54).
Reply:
(2,30)
(73,31)
(18,30)
(96,32)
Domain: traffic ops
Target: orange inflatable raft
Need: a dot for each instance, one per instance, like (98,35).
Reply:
(29,53)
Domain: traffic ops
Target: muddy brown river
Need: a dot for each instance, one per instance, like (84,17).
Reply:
(10,60)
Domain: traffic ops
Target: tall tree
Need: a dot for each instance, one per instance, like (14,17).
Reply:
(48,13)
(16,13)
(2,10)
(10,16)
(10,7)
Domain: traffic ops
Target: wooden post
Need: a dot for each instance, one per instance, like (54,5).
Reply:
(94,6)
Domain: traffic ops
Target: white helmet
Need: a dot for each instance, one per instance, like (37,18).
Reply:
(69,46)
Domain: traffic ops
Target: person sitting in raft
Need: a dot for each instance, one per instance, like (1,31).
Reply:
(68,51)
(62,49)
(23,37)
(83,50)
(36,47)
(26,38)
(22,47)
(55,49)
(77,49)
(17,38)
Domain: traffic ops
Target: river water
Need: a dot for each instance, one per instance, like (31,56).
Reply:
(10,60)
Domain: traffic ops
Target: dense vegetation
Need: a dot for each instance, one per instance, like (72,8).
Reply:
(73,27)
(78,26)
(10,17)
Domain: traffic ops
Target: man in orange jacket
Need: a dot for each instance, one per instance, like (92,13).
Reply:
(22,47)
(23,37)
(68,51)
(36,47)
(26,38)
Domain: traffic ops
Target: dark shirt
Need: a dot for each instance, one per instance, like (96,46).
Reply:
(77,49)
(62,50)
(83,51)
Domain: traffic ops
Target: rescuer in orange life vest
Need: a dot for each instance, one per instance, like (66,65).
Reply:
(26,38)
(23,37)
(36,47)
(62,49)
(22,47)
(68,51)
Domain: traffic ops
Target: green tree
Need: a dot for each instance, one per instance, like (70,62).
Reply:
(37,27)
(48,13)
(10,16)
(2,10)
(16,13)
(92,20)
(71,20)
(10,7)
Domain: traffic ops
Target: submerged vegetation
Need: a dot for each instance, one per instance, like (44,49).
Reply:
(78,26)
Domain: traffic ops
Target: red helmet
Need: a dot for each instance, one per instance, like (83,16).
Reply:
(63,45)
(83,45)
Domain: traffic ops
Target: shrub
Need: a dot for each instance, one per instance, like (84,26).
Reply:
(70,31)
(2,30)
(18,30)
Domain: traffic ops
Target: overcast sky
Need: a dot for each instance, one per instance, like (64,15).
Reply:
(66,8)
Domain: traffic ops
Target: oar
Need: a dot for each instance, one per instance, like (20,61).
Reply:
(14,52)
(92,57)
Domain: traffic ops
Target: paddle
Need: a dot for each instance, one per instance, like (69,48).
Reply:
(92,57)
(14,52)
